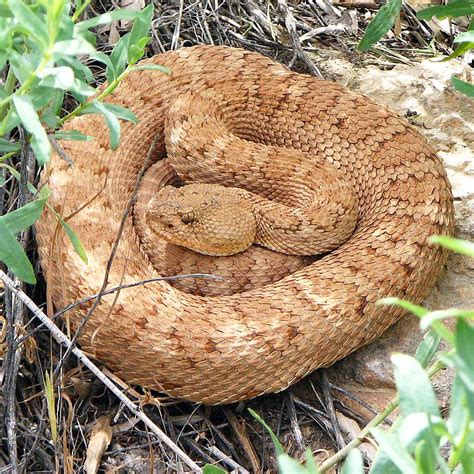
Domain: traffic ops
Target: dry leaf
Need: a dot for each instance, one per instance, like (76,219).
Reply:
(101,435)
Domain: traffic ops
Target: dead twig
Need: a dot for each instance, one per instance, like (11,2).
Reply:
(291,27)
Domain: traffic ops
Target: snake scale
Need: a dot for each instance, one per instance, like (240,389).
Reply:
(281,316)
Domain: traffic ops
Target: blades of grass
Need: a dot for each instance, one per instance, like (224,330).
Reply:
(51,403)
(380,25)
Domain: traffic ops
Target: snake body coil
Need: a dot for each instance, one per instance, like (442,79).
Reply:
(221,349)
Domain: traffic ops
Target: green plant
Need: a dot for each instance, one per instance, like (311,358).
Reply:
(388,14)
(43,53)
(420,441)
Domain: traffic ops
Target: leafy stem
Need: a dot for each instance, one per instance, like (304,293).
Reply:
(107,91)
(390,407)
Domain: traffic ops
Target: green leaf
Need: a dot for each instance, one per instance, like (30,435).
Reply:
(415,392)
(39,140)
(151,67)
(456,245)
(464,346)
(121,112)
(432,316)
(210,469)
(427,348)
(452,359)
(278,447)
(105,59)
(111,120)
(111,112)
(20,65)
(49,119)
(382,464)
(354,463)
(464,37)
(105,18)
(76,243)
(288,465)
(413,308)
(380,25)
(119,56)
(425,459)
(82,89)
(61,77)
(462,86)
(14,257)
(55,13)
(459,412)
(452,10)
(31,20)
(71,234)
(25,216)
(310,462)
(5,11)
(73,135)
(391,446)
(417,426)
(138,33)
(72,47)
(81,71)
(6,146)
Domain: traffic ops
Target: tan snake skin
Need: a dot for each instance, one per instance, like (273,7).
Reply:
(221,349)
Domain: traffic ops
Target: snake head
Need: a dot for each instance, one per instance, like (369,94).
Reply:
(207,218)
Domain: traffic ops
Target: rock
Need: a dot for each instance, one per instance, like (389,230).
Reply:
(446,118)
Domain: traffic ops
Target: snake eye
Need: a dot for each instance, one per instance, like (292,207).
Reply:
(187,218)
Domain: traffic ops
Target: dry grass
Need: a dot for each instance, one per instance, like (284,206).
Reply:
(299,34)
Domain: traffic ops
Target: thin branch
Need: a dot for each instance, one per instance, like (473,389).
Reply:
(105,281)
(61,338)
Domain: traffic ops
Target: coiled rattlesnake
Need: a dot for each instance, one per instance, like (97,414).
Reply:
(220,349)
